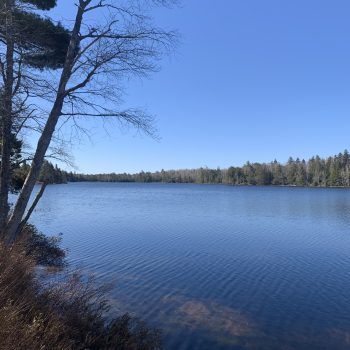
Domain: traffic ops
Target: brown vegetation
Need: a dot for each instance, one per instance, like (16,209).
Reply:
(68,314)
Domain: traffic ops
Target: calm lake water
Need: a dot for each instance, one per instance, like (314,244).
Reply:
(216,267)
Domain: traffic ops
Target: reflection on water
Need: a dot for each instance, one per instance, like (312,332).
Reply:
(216,267)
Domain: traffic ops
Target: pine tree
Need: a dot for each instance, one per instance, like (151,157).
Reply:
(42,43)
(27,40)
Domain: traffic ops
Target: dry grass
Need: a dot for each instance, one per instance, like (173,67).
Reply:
(63,315)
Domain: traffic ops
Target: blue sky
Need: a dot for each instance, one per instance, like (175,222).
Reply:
(251,80)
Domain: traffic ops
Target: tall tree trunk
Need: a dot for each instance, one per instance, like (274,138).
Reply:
(13,225)
(6,118)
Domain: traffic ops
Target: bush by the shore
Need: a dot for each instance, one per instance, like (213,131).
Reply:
(65,315)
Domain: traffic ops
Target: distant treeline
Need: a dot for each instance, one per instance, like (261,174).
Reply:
(320,172)
(331,171)
(49,173)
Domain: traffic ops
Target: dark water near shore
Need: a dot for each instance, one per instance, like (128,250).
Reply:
(216,267)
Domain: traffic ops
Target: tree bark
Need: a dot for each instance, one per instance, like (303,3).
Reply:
(13,225)
(6,119)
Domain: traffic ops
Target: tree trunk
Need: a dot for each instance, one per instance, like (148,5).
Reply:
(33,206)
(6,119)
(13,225)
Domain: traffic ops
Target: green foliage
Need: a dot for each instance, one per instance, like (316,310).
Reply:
(42,4)
(333,171)
(17,171)
(40,42)
(43,42)
(19,175)
(51,174)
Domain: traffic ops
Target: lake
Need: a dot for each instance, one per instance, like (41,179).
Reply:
(216,267)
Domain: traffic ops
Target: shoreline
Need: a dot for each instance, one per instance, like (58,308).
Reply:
(207,183)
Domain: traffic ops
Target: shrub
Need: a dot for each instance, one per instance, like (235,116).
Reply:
(64,315)
(43,249)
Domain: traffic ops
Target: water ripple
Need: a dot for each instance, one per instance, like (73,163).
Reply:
(214,266)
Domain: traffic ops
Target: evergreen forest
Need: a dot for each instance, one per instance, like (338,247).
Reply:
(316,172)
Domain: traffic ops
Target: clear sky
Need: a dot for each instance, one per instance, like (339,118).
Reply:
(251,80)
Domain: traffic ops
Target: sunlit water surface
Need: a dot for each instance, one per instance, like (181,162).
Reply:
(216,267)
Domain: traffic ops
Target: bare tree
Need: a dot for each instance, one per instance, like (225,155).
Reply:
(99,58)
